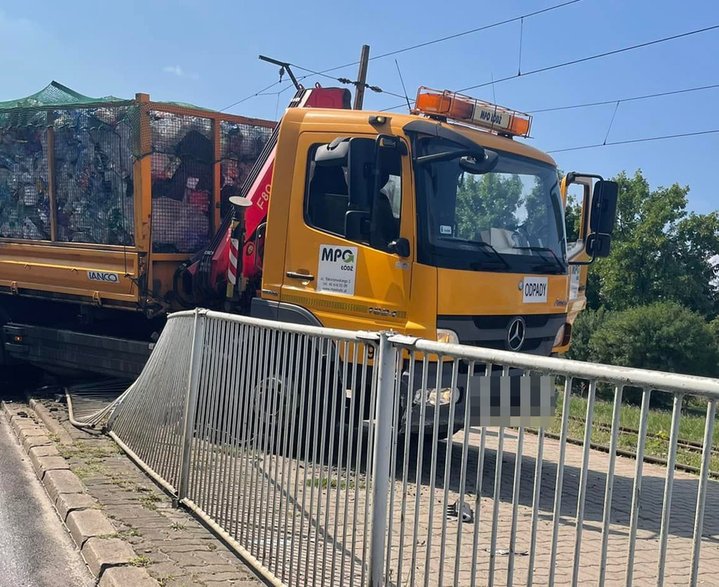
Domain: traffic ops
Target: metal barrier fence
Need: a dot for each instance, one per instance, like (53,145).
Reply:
(294,443)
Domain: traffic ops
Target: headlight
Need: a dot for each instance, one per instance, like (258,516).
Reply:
(447,336)
(563,335)
(435,397)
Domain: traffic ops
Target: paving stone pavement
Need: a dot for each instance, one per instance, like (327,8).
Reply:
(179,551)
(316,531)
(678,561)
(174,547)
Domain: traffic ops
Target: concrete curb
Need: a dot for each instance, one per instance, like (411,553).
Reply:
(52,424)
(108,557)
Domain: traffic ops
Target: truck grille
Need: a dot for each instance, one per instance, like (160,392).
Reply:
(491,331)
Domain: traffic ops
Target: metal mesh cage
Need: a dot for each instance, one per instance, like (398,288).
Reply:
(182,181)
(94,175)
(24,184)
(240,145)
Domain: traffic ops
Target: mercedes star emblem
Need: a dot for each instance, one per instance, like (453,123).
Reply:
(515,334)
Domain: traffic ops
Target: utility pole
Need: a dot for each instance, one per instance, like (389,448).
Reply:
(361,77)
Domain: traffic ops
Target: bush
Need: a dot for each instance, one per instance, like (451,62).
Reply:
(663,336)
(714,327)
(584,326)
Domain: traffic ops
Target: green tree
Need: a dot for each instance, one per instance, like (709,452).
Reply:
(572,218)
(488,201)
(663,335)
(659,251)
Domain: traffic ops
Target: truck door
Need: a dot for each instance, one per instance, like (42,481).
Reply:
(341,259)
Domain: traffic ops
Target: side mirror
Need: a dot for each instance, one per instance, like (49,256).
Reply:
(480,163)
(357,225)
(604,207)
(598,245)
(602,216)
(334,153)
(399,247)
(599,210)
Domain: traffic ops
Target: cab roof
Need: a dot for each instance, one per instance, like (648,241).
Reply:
(322,119)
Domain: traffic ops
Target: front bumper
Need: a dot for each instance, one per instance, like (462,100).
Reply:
(498,399)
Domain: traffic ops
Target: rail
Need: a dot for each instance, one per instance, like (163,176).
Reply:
(332,457)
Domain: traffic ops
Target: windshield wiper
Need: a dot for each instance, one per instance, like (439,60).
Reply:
(484,245)
(557,262)
(492,250)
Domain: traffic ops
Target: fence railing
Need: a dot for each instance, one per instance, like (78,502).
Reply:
(322,457)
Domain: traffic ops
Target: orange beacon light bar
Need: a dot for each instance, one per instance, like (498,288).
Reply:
(468,110)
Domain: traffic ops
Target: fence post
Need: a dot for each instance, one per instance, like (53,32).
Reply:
(188,417)
(381,456)
(702,490)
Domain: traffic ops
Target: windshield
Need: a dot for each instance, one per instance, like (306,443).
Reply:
(508,219)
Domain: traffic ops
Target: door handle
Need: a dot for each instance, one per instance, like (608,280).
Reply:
(303,276)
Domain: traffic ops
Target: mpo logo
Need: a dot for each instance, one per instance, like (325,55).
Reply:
(337,268)
(102,276)
(335,254)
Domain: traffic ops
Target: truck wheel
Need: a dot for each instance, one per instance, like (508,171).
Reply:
(287,418)
(272,412)
(443,433)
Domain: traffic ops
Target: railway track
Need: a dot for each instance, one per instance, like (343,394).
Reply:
(686,445)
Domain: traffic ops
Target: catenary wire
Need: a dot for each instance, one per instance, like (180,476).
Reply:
(641,140)
(418,46)
(581,60)
(596,56)
(257,93)
(630,99)
(312,72)
(456,35)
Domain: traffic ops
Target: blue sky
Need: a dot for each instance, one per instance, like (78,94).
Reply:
(205,52)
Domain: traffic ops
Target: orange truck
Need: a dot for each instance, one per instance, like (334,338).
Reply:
(440,223)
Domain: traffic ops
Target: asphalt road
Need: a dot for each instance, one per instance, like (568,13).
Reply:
(35,549)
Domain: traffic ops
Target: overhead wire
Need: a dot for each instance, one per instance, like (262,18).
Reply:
(581,60)
(457,35)
(596,56)
(641,140)
(416,46)
(324,73)
(257,93)
(345,81)
(630,99)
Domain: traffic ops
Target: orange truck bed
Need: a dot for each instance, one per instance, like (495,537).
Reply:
(102,199)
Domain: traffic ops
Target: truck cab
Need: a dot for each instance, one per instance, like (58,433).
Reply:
(437,224)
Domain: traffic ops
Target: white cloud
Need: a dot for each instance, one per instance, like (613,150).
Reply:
(179,72)
(176,69)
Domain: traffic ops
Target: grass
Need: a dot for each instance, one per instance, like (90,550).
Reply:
(691,428)
(325,482)
(124,534)
(90,453)
(140,561)
(88,470)
(150,501)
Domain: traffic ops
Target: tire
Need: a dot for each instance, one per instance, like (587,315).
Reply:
(287,405)
(443,433)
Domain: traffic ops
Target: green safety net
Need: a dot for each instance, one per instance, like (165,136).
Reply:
(55,94)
